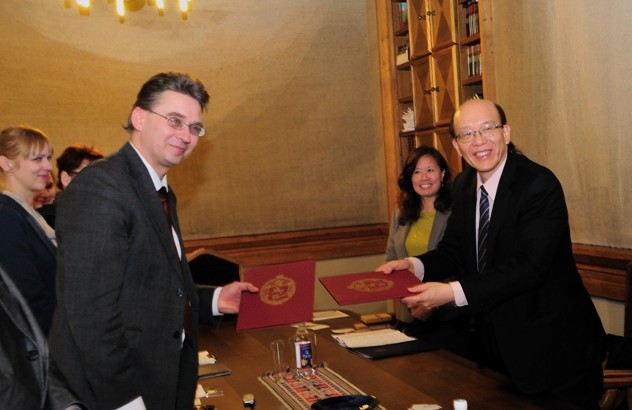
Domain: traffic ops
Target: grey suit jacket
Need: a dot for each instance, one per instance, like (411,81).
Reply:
(121,290)
(25,380)
(396,247)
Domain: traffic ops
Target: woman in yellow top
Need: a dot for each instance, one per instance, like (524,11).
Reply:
(416,227)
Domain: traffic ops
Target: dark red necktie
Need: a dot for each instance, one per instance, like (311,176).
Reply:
(164,200)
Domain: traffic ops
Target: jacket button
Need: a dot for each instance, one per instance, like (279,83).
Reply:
(32,355)
(176,335)
(180,293)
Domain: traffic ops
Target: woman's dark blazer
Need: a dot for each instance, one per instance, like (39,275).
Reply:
(29,257)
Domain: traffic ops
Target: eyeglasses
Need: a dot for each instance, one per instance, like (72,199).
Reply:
(486,131)
(177,124)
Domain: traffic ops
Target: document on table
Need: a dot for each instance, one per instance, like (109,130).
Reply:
(372,338)
(208,366)
(328,314)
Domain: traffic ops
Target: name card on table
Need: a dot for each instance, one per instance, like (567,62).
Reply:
(286,295)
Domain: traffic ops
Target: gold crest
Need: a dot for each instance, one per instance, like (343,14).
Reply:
(278,290)
(371,285)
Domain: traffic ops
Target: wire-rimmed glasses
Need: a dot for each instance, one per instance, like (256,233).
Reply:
(177,124)
(486,131)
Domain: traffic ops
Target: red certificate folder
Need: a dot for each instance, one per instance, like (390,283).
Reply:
(286,295)
(369,286)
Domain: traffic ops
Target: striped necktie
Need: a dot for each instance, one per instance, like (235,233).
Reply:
(483,229)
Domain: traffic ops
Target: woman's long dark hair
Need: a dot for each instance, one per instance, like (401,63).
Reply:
(410,204)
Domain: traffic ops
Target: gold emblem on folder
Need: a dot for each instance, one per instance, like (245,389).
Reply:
(371,285)
(278,290)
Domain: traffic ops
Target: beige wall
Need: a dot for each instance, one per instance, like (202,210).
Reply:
(294,120)
(563,75)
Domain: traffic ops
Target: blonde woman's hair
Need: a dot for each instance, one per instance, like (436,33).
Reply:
(21,142)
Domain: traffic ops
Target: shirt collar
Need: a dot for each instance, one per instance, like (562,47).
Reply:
(491,185)
(158,183)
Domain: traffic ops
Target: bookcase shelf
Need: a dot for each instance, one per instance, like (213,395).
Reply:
(474,38)
(450,60)
(475,79)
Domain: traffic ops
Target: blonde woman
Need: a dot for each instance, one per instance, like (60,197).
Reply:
(27,243)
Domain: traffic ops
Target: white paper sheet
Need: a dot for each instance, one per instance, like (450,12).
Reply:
(372,338)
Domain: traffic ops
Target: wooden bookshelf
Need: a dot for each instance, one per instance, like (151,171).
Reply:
(438,76)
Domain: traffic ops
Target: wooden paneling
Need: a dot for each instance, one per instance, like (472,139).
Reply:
(603,270)
(318,244)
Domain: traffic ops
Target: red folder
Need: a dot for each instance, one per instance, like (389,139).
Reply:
(286,295)
(369,286)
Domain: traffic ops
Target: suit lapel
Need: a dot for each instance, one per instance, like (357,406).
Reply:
(470,219)
(41,234)
(501,204)
(438,226)
(150,201)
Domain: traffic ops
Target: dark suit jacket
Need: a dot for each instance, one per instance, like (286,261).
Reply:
(121,290)
(531,298)
(29,257)
(26,381)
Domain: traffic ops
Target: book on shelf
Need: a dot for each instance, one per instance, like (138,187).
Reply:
(471,18)
(474,62)
(400,16)
(402,55)
(404,13)
(408,119)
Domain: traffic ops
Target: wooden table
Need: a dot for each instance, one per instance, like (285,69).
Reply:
(430,377)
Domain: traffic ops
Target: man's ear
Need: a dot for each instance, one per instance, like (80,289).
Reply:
(137,118)
(456,146)
(506,133)
(65,179)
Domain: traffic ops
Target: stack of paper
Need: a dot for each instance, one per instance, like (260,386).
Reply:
(372,338)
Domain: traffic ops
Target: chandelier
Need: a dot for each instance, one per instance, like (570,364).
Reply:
(123,6)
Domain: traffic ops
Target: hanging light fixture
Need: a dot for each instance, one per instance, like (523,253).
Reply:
(121,7)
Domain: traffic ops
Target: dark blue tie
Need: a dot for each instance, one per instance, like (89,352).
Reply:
(483,229)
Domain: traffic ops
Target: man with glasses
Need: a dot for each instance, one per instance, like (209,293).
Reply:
(508,242)
(125,330)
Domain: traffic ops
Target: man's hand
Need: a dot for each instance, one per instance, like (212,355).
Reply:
(429,295)
(230,296)
(398,264)
(420,312)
